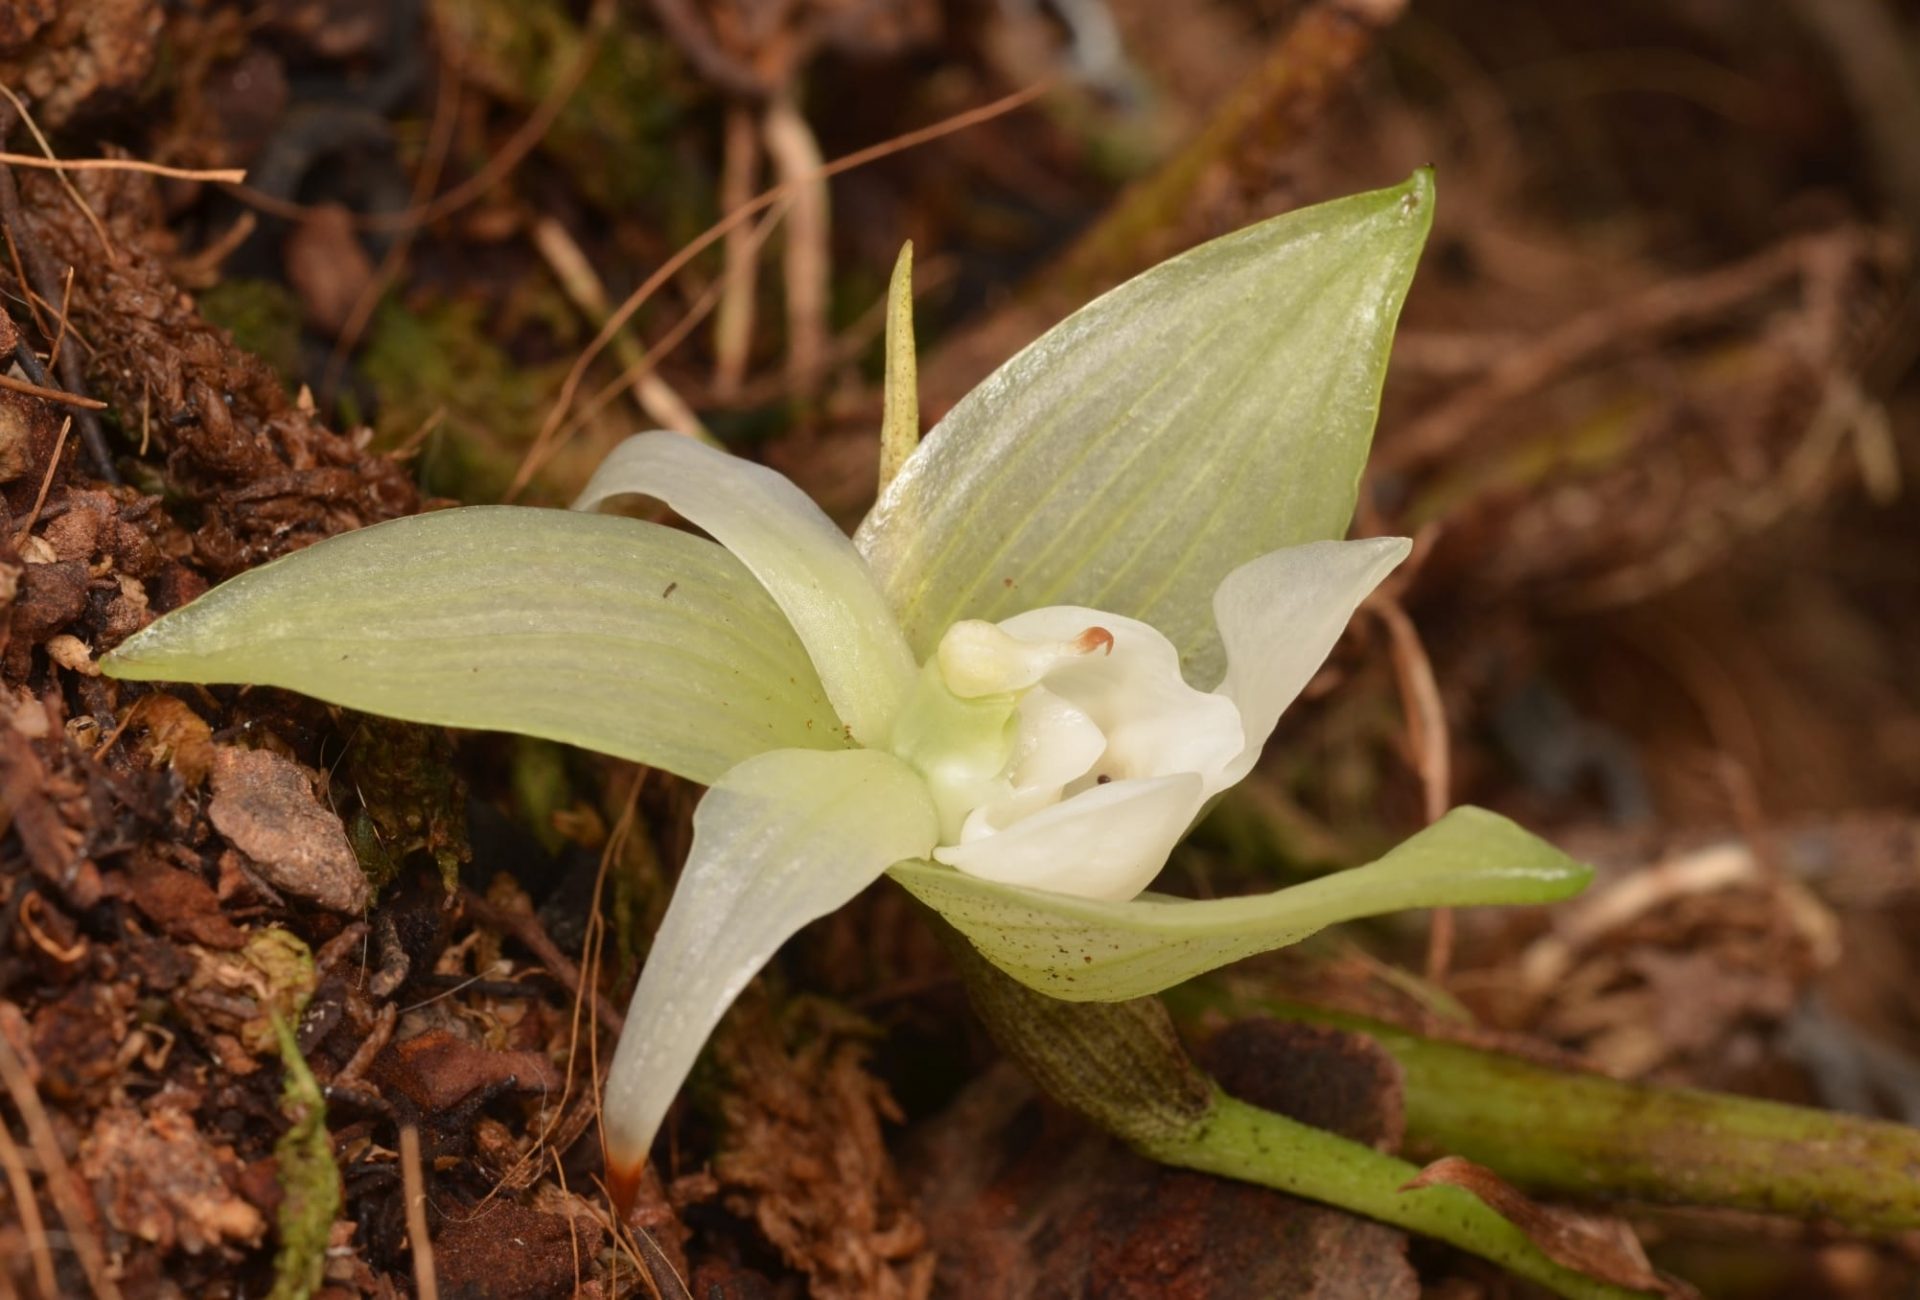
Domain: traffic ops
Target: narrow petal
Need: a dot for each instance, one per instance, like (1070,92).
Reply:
(612,634)
(1092,950)
(1279,617)
(779,841)
(806,564)
(1107,842)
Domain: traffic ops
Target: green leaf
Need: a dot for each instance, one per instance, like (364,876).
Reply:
(1086,950)
(779,841)
(1217,407)
(612,634)
(802,558)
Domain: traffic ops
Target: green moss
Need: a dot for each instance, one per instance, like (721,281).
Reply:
(412,800)
(309,1180)
(541,787)
(615,136)
(279,964)
(264,319)
(438,364)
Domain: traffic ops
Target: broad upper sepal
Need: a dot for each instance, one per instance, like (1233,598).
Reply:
(1215,408)
(1086,950)
(779,841)
(611,634)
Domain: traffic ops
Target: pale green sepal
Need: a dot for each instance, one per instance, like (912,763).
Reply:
(900,420)
(612,634)
(805,562)
(1085,950)
(779,841)
(1211,410)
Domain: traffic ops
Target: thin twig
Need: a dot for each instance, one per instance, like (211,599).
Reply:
(59,1175)
(570,388)
(31,1222)
(45,394)
(202,266)
(26,288)
(40,278)
(229,175)
(537,458)
(86,209)
(795,154)
(590,956)
(657,399)
(46,482)
(526,927)
(733,319)
(1432,750)
(60,328)
(573,1230)
(419,1244)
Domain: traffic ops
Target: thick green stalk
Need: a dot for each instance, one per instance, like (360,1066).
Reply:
(1553,1130)
(1121,1065)
(1259,1146)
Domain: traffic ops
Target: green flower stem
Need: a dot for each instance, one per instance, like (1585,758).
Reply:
(1563,1131)
(1259,1146)
(1121,1065)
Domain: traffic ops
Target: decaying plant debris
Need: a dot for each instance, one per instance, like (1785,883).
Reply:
(1650,417)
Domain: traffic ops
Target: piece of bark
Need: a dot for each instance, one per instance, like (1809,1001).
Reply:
(264,804)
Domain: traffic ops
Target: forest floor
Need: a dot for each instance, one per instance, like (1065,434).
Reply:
(1649,418)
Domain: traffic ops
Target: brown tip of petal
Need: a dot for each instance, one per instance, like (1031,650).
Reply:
(1094,638)
(623,1187)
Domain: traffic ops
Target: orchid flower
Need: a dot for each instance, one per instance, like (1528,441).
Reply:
(1072,619)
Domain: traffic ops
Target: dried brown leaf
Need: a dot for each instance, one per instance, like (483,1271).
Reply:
(175,735)
(436,1070)
(180,903)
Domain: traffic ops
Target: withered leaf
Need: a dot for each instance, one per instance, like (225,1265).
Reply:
(175,735)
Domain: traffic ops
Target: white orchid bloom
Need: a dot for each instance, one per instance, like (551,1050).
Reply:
(1111,754)
(944,698)
(1059,750)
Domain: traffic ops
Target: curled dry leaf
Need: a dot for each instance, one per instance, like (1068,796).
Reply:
(174,735)
(1599,1247)
(264,804)
(73,654)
